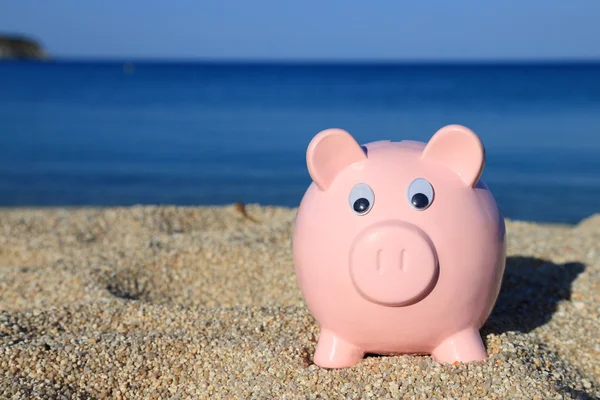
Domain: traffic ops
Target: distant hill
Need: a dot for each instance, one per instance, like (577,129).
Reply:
(21,48)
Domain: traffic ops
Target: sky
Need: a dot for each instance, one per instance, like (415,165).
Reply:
(309,29)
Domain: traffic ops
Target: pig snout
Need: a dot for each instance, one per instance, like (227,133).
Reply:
(393,263)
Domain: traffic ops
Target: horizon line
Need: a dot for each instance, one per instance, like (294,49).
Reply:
(318,61)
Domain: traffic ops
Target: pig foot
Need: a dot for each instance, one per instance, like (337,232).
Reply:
(463,346)
(334,352)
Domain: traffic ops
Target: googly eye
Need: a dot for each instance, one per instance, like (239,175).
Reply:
(420,194)
(361,199)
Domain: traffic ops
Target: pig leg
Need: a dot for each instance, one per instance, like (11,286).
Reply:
(334,352)
(463,346)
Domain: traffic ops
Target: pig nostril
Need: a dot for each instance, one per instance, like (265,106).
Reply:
(402,265)
(379,261)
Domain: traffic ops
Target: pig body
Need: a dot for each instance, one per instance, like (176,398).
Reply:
(399,247)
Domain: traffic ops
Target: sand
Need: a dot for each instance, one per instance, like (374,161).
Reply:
(178,303)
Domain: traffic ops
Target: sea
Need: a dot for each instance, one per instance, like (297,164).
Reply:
(114,133)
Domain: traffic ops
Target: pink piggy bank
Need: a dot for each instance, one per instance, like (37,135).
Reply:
(399,247)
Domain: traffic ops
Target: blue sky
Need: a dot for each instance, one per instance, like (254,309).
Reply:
(310,29)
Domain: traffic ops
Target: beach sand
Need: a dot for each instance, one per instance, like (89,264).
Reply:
(178,303)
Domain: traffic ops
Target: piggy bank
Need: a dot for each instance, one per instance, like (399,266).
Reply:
(399,247)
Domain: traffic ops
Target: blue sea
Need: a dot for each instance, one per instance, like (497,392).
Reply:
(109,133)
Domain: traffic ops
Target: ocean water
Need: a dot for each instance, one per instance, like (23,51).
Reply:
(106,134)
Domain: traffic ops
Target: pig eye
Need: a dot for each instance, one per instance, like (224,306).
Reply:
(420,194)
(361,199)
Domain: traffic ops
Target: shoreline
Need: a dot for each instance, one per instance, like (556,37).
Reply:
(55,208)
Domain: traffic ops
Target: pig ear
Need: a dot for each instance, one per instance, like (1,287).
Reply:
(329,152)
(459,149)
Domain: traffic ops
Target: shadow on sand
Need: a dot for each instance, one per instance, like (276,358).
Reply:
(531,291)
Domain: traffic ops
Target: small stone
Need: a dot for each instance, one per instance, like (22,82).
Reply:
(586,384)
